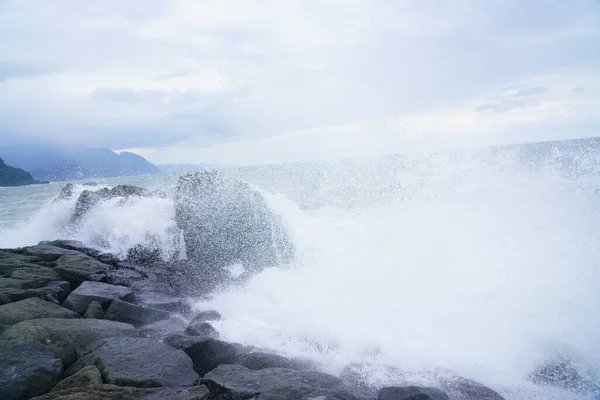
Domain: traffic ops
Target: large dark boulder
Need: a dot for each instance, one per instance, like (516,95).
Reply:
(35,272)
(134,314)
(113,392)
(32,308)
(79,268)
(237,382)
(27,369)
(411,393)
(83,378)
(205,352)
(141,362)
(87,292)
(47,252)
(225,222)
(66,337)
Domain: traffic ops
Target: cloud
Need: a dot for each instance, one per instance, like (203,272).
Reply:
(187,79)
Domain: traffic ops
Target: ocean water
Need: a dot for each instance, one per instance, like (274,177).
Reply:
(484,263)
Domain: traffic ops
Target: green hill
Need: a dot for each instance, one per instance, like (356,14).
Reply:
(10,176)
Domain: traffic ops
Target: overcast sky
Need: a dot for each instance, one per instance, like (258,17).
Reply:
(256,81)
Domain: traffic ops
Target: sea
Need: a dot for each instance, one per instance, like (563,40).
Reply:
(481,262)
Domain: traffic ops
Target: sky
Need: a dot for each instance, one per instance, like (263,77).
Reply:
(256,81)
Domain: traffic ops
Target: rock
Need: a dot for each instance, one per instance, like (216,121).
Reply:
(11,295)
(103,293)
(35,272)
(144,254)
(563,372)
(10,255)
(88,199)
(174,305)
(66,193)
(27,369)
(65,337)
(148,291)
(83,378)
(58,289)
(32,308)
(49,252)
(162,329)
(141,362)
(237,382)
(209,353)
(113,392)
(180,341)
(202,316)
(253,358)
(411,393)
(123,277)
(94,310)
(75,245)
(21,283)
(134,314)
(80,268)
(225,222)
(9,266)
(201,329)
(3,328)
(459,388)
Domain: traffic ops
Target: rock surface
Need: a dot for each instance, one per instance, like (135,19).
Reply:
(411,393)
(201,329)
(80,268)
(94,310)
(27,369)
(134,314)
(113,392)
(85,377)
(103,293)
(208,353)
(32,308)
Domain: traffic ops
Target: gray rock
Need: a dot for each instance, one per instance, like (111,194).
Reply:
(65,194)
(174,305)
(35,272)
(3,328)
(142,362)
(80,268)
(237,382)
(32,308)
(113,392)
(94,311)
(563,372)
(181,341)
(58,289)
(224,222)
(88,199)
(411,393)
(65,337)
(209,315)
(10,295)
(12,255)
(123,277)
(201,329)
(85,377)
(7,267)
(134,314)
(254,358)
(162,329)
(103,293)
(49,252)
(27,369)
(209,353)
(22,283)
(148,291)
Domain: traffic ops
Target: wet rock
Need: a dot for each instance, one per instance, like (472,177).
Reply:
(174,305)
(113,392)
(237,382)
(141,362)
(80,268)
(209,315)
(88,199)
(7,267)
(162,329)
(13,283)
(149,291)
(181,341)
(134,314)
(49,252)
(564,372)
(144,254)
(209,353)
(11,295)
(11,255)
(459,388)
(225,222)
(66,193)
(103,293)
(254,358)
(411,393)
(201,329)
(74,245)
(35,272)
(27,369)
(65,337)
(94,311)
(32,308)
(58,289)
(85,377)
(123,276)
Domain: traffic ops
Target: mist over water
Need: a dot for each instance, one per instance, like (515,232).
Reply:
(474,262)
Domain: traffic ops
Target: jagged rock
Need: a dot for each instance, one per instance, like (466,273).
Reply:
(88,199)
(254,358)
(66,193)
(201,329)
(94,311)
(123,276)
(209,353)
(85,377)
(162,329)
(209,315)
(80,268)
(225,222)
(49,252)
(103,293)
(58,289)
(141,362)
(35,272)
(27,369)
(411,393)
(10,295)
(563,372)
(65,337)
(113,392)
(74,245)
(237,382)
(134,314)
(32,308)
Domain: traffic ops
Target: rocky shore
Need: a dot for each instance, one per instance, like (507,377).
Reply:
(77,323)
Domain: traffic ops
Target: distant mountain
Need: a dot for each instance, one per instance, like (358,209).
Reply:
(10,176)
(73,162)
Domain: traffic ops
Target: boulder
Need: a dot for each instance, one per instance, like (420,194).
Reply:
(208,353)
(10,295)
(12,255)
(162,329)
(174,305)
(201,329)
(9,266)
(88,198)
(113,392)
(254,358)
(103,293)
(49,252)
(66,337)
(83,378)
(27,369)
(58,289)
(35,272)
(32,308)
(74,245)
(225,222)
(12,283)
(123,276)
(80,268)
(209,315)
(94,311)
(141,362)
(237,382)
(66,193)
(411,393)
(134,314)
(149,291)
